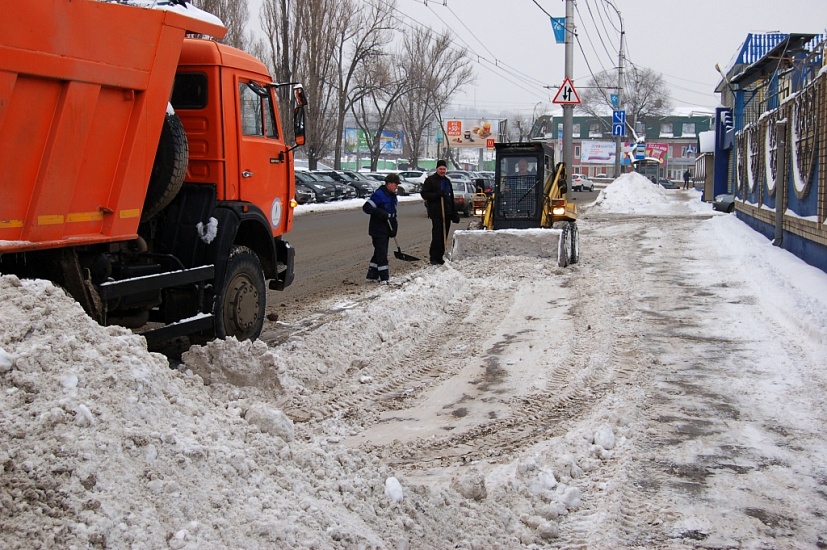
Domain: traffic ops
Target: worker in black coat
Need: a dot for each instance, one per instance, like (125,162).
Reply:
(439,200)
(381,206)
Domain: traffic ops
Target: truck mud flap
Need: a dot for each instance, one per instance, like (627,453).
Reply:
(286,259)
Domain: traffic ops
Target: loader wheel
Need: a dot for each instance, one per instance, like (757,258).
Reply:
(239,307)
(564,246)
(575,244)
(169,169)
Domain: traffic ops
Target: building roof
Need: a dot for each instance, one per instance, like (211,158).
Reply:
(783,51)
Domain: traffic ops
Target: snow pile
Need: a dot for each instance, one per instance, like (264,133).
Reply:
(104,444)
(633,193)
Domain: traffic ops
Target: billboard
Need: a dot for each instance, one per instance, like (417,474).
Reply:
(597,152)
(470,133)
(392,142)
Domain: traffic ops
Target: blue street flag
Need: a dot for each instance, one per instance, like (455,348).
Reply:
(558,24)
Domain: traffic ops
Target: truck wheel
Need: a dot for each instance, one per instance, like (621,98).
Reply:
(239,307)
(564,247)
(169,168)
(575,244)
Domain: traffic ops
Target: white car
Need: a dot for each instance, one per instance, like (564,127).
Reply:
(416,176)
(579,182)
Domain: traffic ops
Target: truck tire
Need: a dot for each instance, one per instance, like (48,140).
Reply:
(169,169)
(575,244)
(564,247)
(239,307)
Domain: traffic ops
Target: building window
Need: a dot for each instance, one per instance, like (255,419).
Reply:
(575,130)
(688,129)
(689,151)
(666,130)
(595,130)
(577,151)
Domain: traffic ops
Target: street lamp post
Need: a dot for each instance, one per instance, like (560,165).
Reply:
(619,105)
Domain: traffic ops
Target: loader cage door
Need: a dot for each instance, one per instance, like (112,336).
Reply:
(519,192)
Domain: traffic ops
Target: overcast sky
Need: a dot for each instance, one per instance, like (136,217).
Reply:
(520,67)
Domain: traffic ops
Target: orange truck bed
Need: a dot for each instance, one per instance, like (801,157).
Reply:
(84,86)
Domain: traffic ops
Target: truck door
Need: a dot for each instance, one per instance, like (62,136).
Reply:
(262,155)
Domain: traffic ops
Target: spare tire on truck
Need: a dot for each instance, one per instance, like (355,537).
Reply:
(170,167)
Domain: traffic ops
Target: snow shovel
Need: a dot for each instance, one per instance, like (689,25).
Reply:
(444,229)
(398,252)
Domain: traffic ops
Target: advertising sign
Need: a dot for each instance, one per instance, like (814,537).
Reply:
(597,152)
(391,142)
(657,151)
(476,133)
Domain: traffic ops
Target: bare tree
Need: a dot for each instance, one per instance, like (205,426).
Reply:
(645,94)
(281,49)
(382,84)
(234,14)
(360,37)
(300,47)
(519,128)
(437,70)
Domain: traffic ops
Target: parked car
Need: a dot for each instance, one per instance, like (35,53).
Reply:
(377,176)
(324,191)
(463,196)
(304,194)
(666,184)
(412,182)
(363,185)
(408,188)
(579,182)
(416,176)
(724,202)
(343,190)
(602,175)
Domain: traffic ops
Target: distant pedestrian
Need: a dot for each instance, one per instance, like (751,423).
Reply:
(439,200)
(381,206)
(686,176)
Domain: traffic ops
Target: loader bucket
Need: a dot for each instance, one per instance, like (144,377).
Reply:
(537,243)
(562,245)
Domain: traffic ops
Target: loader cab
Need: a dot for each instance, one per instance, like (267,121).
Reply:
(520,171)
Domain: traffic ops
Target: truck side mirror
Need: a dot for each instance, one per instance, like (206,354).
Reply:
(298,93)
(298,124)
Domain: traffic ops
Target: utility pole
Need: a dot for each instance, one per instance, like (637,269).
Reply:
(619,91)
(568,110)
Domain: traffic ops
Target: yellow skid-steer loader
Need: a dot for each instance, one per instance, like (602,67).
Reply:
(526,212)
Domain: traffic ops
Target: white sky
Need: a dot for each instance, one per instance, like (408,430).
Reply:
(102,443)
(680,39)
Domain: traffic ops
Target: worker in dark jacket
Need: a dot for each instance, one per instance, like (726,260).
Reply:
(381,206)
(439,200)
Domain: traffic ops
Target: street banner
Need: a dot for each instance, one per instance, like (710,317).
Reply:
(558,25)
(470,133)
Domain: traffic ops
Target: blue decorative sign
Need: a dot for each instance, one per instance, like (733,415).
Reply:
(558,24)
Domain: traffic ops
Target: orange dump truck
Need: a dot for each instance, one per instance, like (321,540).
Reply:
(144,171)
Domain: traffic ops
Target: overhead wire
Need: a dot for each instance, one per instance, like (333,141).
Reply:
(491,62)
